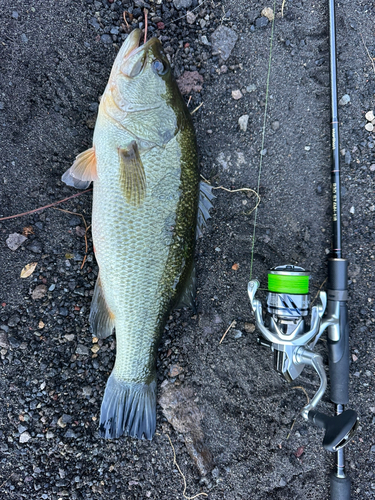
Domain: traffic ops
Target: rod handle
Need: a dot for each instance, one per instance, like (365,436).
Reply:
(340,487)
(339,360)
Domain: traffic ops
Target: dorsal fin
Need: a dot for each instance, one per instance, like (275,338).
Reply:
(83,170)
(132,174)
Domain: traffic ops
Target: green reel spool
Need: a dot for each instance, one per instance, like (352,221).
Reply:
(293,280)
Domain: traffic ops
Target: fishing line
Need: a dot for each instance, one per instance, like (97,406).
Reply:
(263,136)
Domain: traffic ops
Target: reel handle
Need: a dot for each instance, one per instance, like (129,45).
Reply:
(339,429)
(340,487)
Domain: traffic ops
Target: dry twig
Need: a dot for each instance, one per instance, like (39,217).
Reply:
(227,330)
(368,53)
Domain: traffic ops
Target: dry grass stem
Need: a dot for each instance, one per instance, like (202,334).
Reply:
(182,475)
(227,330)
(196,109)
(368,53)
(308,400)
(317,293)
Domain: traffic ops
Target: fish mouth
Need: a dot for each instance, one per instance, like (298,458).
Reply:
(131,65)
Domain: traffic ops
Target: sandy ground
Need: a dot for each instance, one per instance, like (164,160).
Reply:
(55,61)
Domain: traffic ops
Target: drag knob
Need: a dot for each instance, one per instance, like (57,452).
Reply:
(339,429)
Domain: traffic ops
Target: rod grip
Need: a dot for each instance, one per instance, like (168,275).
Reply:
(339,361)
(338,350)
(340,487)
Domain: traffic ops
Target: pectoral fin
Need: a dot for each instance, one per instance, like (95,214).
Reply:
(132,174)
(83,170)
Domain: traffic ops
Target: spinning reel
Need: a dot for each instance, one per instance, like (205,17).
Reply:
(293,343)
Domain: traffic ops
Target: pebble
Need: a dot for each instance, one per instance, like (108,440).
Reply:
(15,14)
(348,157)
(2,105)
(223,41)
(268,13)
(204,40)
(4,343)
(261,22)
(82,349)
(175,370)
(249,327)
(107,39)
(87,390)
(263,152)
(25,437)
(50,435)
(251,88)
(15,240)
(243,121)
(236,94)
(275,125)
(237,334)
(282,482)
(94,23)
(190,17)
(52,287)
(345,99)
(369,127)
(24,38)
(182,4)
(352,210)
(369,116)
(39,292)
(75,221)
(35,247)
(14,320)
(70,434)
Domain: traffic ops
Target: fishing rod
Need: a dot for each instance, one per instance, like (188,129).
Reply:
(286,333)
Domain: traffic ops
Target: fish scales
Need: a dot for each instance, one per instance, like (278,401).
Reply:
(145,202)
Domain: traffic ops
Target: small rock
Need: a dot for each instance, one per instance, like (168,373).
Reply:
(14,320)
(251,88)
(69,337)
(223,41)
(236,94)
(75,221)
(94,23)
(275,125)
(307,148)
(107,39)
(175,370)
(204,40)
(268,13)
(348,157)
(21,429)
(182,4)
(190,17)
(50,435)
(352,210)
(15,14)
(39,292)
(369,127)
(70,434)
(4,342)
(243,121)
(345,99)
(2,105)
(282,483)
(369,116)
(261,22)
(115,30)
(263,152)
(87,390)
(35,247)
(190,81)
(25,437)
(249,327)
(15,240)
(82,349)
(237,334)
(24,38)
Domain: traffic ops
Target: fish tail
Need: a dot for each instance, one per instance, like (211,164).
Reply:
(128,408)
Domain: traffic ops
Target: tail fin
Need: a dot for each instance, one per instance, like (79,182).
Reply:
(128,408)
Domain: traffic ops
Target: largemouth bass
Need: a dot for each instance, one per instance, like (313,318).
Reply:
(145,205)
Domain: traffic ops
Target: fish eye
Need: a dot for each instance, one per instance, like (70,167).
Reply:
(159,67)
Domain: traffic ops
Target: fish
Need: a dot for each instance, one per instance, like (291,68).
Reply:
(148,208)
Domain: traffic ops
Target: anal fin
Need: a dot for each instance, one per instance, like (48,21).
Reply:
(102,321)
